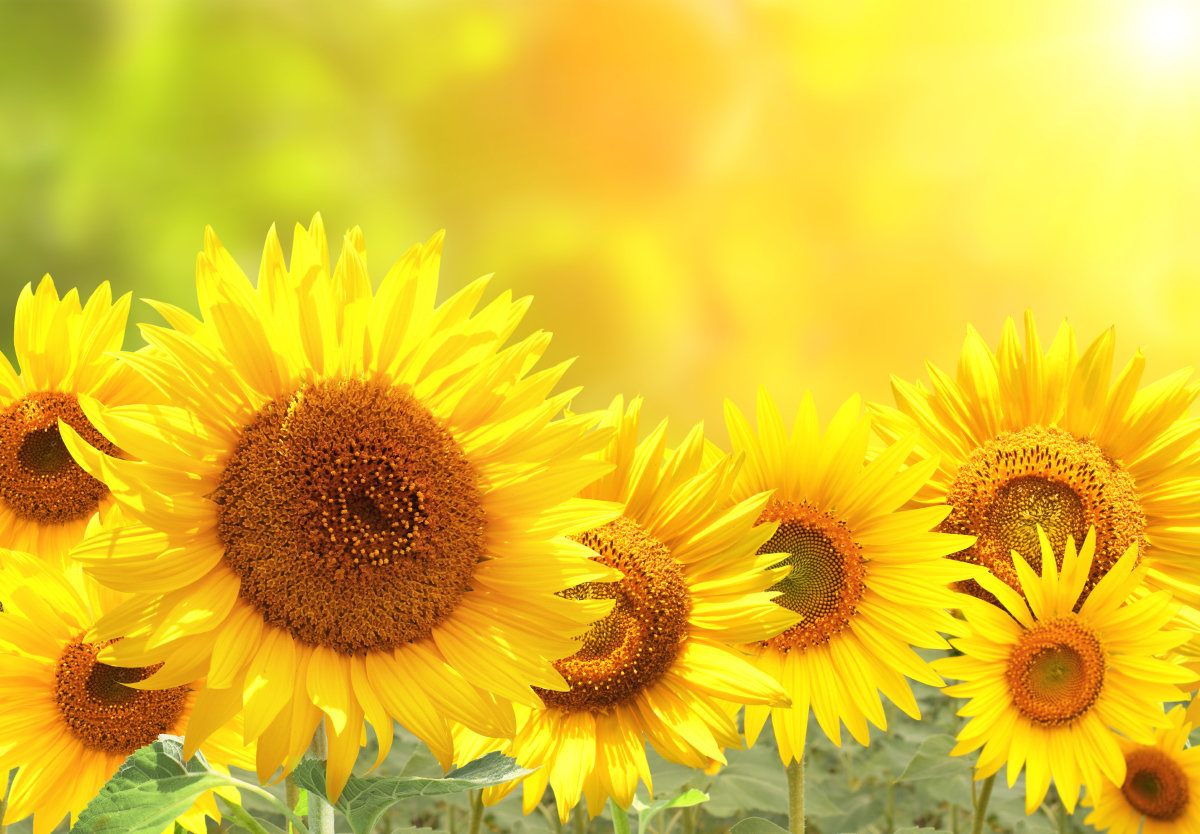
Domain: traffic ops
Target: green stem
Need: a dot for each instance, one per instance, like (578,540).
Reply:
(320,812)
(579,817)
(476,812)
(244,819)
(689,819)
(8,780)
(890,813)
(1061,815)
(292,795)
(795,781)
(270,797)
(981,803)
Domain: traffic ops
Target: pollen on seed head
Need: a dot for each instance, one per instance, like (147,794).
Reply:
(351,516)
(39,481)
(1155,784)
(1044,477)
(826,582)
(1056,671)
(103,713)
(639,639)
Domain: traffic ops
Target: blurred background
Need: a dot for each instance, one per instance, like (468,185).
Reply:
(702,195)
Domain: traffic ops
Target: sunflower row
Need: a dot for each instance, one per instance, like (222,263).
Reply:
(320,506)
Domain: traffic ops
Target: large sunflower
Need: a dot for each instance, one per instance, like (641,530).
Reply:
(65,712)
(869,581)
(1050,679)
(354,509)
(1026,438)
(1161,791)
(46,500)
(658,668)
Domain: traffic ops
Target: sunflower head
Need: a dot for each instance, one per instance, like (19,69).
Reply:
(1161,789)
(355,509)
(1054,677)
(1031,439)
(62,348)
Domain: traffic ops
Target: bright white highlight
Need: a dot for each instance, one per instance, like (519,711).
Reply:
(1167,32)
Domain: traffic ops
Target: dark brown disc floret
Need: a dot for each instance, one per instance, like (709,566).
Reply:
(1043,477)
(636,643)
(826,582)
(39,481)
(105,714)
(1155,784)
(351,515)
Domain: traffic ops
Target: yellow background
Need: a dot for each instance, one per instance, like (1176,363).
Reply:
(702,196)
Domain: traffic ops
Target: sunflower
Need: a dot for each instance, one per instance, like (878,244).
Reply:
(867,579)
(68,712)
(658,668)
(46,500)
(1161,791)
(1050,679)
(356,507)
(1030,439)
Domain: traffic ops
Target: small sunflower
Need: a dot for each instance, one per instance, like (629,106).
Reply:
(658,667)
(355,507)
(1028,439)
(65,711)
(868,580)
(1161,791)
(1050,680)
(46,499)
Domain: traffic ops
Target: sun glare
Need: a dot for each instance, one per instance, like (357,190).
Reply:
(1167,33)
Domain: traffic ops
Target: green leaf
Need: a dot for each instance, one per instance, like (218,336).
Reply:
(920,831)
(757,825)
(153,787)
(365,799)
(933,760)
(648,812)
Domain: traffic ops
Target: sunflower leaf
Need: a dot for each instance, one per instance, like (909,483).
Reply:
(153,787)
(365,799)
(648,812)
(933,760)
(756,825)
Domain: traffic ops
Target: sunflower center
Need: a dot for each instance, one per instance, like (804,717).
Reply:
(1056,671)
(39,481)
(826,581)
(103,713)
(1041,476)
(351,515)
(630,648)
(1155,784)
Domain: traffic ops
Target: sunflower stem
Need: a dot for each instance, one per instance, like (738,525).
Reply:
(476,812)
(795,780)
(320,812)
(243,818)
(8,780)
(291,792)
(981,803)
(579,818)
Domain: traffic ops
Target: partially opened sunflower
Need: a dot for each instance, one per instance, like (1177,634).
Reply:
(1027,438)
(867,579)
(46,500)
(1161,791)
(1054,680)
(658,669)
(70,720)
(354,508)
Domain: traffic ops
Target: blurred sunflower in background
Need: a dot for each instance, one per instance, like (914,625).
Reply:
(353,508)
(1027,439)
(1053,677)
(658,668)
(70,720)
(867,580)
(1161,791)
(46,499)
